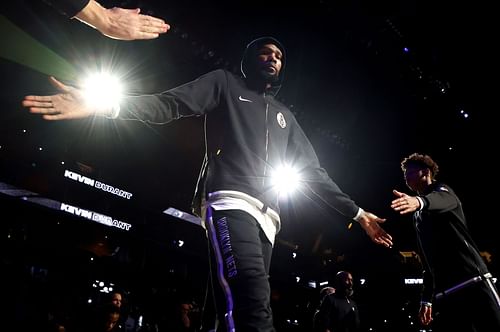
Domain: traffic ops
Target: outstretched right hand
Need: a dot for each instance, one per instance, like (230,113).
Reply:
(69,104)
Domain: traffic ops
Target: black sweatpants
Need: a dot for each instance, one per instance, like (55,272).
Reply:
(475,308)
(240,260)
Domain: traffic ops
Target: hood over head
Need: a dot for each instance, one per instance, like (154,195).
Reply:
(250,56)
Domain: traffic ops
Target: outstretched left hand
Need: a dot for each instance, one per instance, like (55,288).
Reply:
(370,224)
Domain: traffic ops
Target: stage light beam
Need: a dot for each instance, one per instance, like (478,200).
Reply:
(102,90)
(286,180)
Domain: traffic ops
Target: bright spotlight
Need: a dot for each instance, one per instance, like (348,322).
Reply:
(285,179)
(102,91)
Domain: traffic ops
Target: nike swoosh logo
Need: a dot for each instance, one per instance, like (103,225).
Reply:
(244,99)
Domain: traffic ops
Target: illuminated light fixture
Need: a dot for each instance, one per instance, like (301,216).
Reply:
(285,179)
(410,257)
(103,287)
(102,91)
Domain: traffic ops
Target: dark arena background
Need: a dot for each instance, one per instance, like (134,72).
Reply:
(88,206)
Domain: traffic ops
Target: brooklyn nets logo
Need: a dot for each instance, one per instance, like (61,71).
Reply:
(281,119)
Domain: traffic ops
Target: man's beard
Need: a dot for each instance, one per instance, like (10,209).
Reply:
(268,77)
(348,292)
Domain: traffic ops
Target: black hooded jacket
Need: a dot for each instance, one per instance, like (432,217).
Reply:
(249,134)
(450,254)
(68,7)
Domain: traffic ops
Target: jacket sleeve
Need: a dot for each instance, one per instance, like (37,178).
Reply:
(427,293)
(302,156)
(195,98)
(441,199)
(322,317)
(68,7)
